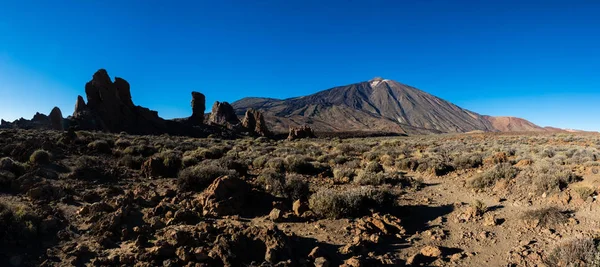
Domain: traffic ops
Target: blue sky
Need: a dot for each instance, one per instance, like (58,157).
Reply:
(533,59)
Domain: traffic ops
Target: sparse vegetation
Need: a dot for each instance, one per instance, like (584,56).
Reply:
(40,157)
(582,251)
(546,217)
(348,203)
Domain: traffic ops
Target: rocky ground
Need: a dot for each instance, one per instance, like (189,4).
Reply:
(95,199)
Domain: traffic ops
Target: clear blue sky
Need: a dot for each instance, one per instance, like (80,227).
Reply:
(539,60)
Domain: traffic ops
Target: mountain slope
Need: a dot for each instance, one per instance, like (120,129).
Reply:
(512,124)
(375,105)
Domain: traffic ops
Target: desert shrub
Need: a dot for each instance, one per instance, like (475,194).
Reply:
(197,178)
(132,162)
(546,217)
(441,169)
(276,164)
(272,181)
(15,167)
(574,253)
(6,180)
(122,143)
(479,207)
(40,157)
(547,177)
(188,161)
(260,161)
(548,153)
(352,164)
(18,225)
(343,172)
(232,163)
(407,164)
(299,164)
(140,150)
(584,191)
(296,187)
(365,177)
(172,162)
(92,168)
(335,204)
(292,186)
(491,176)
(467,161)
(373,167)
(101,146)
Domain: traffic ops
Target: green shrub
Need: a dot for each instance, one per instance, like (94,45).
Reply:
(40,157)
(493,175)
(365,177)
(546,217)
(575,252)
(335,204)
(132,162)
(18,225)
(197,178)
(100,146)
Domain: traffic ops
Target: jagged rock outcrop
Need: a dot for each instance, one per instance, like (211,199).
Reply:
(223,114)
(56,119)
(198,108)
(254,122)
(301,132)
(110,108)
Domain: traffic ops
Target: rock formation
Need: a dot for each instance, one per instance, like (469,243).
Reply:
(223,114)
(301,132)
(255,123)
(198,108)
(111,109)
(56,119)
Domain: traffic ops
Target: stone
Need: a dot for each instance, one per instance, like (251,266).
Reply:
(431,251)
(198,108)
(225,196)
(276,215)
(300,207)
(489,220)
(223,114)
(315,253)
(301,132)
(254,122)
(56,119)
(322,262)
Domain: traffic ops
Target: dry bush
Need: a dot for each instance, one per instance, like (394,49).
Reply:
(467,161)
(18,225)
(197,178)
(574,253)
(373,167)
(15,167)
(343,172)
(546,217)
(584,191)
(172,162)
(132,162)
(366,177)
(547,177)
(291,186)
(335,204)
(40,157)
(407,164)
(479,207)
(493,175)
(140,150)
(100,146)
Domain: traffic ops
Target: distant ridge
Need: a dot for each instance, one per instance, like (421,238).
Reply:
(377,105)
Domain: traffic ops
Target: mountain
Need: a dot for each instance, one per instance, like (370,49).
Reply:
(513,124)
(377,105)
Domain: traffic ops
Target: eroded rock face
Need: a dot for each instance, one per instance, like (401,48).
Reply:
(110,108)
(223,114)
(302,132)
(254,122)
(225,196)
(198,108)
(56,119)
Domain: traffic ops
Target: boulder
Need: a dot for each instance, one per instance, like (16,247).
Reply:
(225,196)
(301,132)
(56,119)
(254,122)
(223,114)
(198,108)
